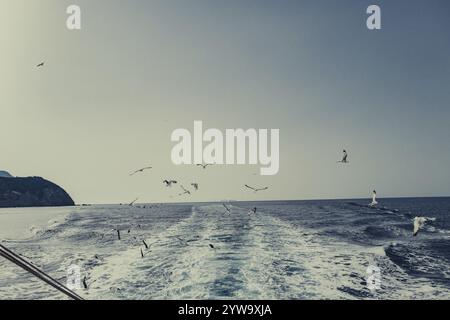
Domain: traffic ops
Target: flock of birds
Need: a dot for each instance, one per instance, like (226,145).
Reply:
(418,222)
(145,249)
(167,183)
(184,191)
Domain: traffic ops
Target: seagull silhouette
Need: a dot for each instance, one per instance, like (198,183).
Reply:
(40,64)
(147,248)
(140,170)
(226,207)
(182,241)
(185,191)
(344,157)
(256,189)
(85,283)
(204,165)
(195,185)
(132,202)
(169,183)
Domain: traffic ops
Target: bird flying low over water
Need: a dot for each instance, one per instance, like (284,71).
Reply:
(226,207)
(169,183)
(344,157)
(419,223)
(131,203)
(185,191)
(140,170)
(374,199)
(204,166)
(256,189)
(253,210)
(40,65)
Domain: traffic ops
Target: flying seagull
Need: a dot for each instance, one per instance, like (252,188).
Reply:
(204,165)
(40,65)
(195,185)
(140,170)
(182,241)
(131,203)
(147,248)
(256,189)
(344,157)
(374,199)
(226,207)
(169,183)
(185,191)
(419,222)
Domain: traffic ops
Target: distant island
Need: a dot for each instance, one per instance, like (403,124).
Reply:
(5,174)
(31,192)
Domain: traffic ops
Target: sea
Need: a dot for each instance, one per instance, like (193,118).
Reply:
(287,250)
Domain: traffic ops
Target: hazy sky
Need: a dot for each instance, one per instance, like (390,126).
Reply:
(110,95)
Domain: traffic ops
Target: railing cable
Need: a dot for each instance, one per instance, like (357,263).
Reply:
(18,260)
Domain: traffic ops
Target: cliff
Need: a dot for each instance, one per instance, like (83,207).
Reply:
(32,192)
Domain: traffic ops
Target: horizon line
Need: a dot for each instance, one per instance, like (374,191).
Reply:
(270,200)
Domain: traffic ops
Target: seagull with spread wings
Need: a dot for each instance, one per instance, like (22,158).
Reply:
(185,191)
(374,199)
(256,189)
(169,183)
(344,157)
(226,208)
(132,202)
(140,170)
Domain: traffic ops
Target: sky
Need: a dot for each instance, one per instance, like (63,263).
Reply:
(111,94)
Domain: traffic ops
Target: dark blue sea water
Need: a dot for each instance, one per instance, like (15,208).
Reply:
(286,250)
